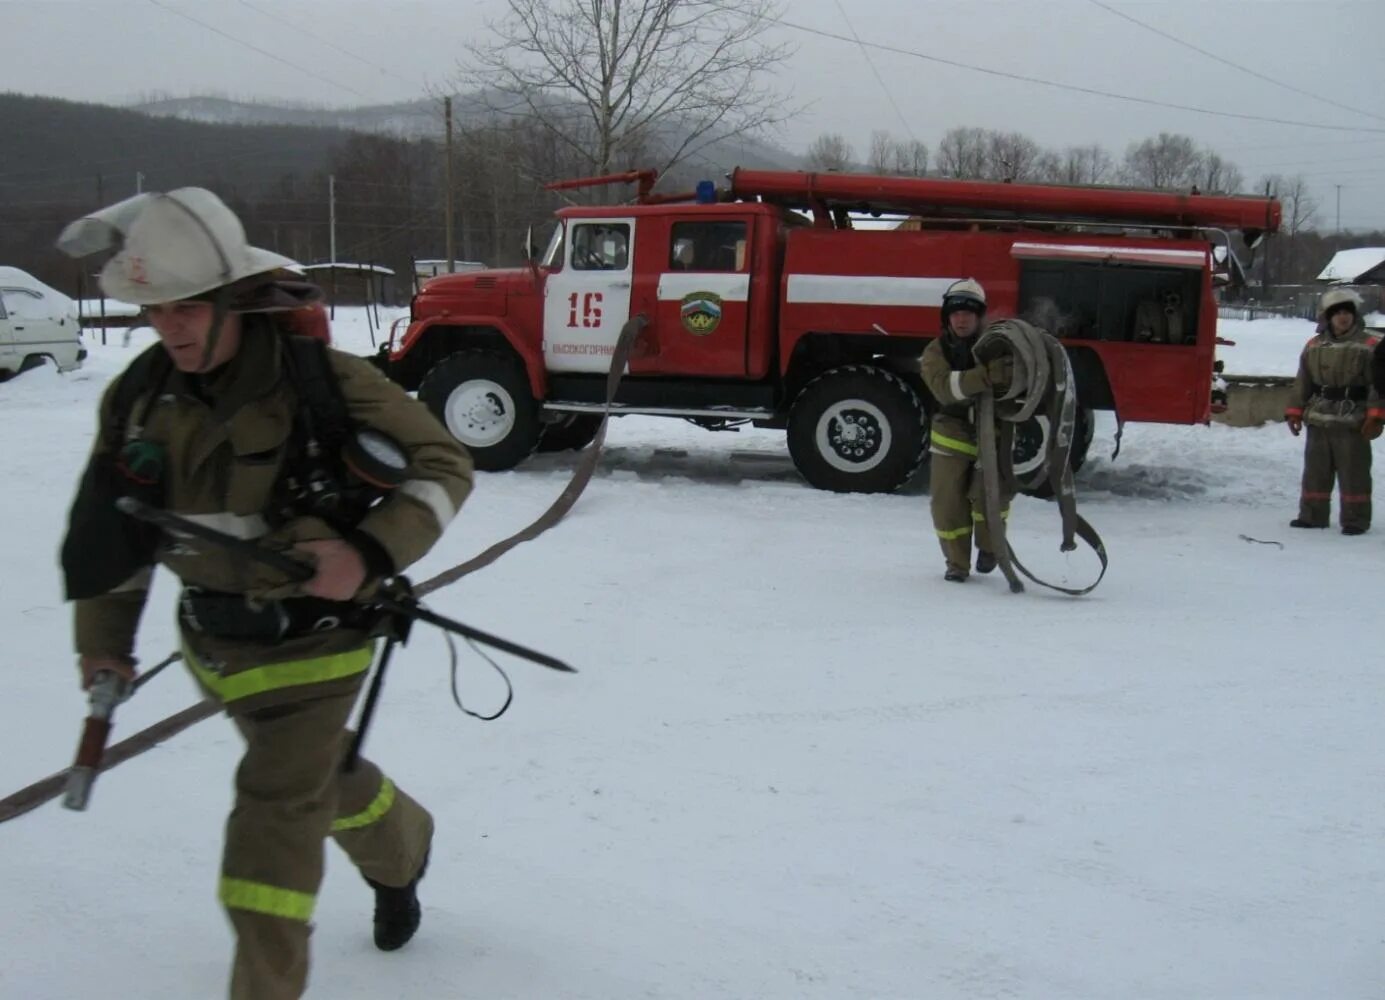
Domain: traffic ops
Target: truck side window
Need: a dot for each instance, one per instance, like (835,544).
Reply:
(707,246)
(600,246)
(1124,303)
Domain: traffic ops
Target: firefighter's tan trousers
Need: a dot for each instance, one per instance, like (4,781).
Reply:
(1344,455)
(290,796)
(958,507)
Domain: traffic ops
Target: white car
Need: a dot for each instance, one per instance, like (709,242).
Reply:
(36,322)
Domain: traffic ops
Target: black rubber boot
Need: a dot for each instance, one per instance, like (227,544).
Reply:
(985,561)
(1353,530)
(955,576)
(397,913)
(1299,522)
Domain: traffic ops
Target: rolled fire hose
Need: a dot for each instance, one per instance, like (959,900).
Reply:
(1042,383)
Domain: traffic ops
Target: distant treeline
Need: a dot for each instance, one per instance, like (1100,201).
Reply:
(62,159)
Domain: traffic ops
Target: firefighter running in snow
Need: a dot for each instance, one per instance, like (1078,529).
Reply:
(955,379)
(1333,394)
(214,423)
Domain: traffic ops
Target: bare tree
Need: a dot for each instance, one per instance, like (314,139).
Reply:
(609,78)
(962,153)
(1218,176)
(1168,161)
(882,147)
(1011,156)
(1048,168)
(830,151)
(1083,165)
(910,158)
(1300,215)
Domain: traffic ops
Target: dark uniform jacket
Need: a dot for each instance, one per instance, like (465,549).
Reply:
(952,376)
(225,438)
(1334,386)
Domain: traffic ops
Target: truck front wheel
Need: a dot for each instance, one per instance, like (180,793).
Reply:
(483,398)
(857,429)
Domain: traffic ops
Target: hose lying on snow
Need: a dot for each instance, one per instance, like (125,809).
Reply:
(1042,384)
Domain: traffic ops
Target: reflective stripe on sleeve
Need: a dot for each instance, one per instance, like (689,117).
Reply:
(432,496)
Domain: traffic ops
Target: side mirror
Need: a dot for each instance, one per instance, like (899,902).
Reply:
(529,252)
(1253,238)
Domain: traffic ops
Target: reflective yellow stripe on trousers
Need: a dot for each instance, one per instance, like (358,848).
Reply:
(948,536)
(371,813)
(965,447)
(258,897)
(274,676)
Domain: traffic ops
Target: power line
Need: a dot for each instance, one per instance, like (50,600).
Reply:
(256,48)
(1299,145)
(1075,88)
(1237,66)
(331,45)
(871,63)
(1330,161)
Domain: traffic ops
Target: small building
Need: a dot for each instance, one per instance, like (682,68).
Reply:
(1359,266)
(348,284)
(1361,269)
(431,268)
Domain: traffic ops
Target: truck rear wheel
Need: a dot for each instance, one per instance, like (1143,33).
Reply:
(857,429)
(483,399)
(1031,440)
(572,432)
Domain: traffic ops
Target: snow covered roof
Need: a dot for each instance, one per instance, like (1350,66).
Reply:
(1350,265)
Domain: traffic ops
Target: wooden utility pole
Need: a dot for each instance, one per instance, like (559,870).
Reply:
(332,218)
(447,180)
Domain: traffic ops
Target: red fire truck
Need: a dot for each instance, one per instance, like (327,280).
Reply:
(765,304)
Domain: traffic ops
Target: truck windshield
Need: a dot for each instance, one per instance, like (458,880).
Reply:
(553,256)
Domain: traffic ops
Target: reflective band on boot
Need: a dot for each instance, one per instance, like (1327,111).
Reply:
(956,445)
(371,813)
(980,518)
(257,897)
(274,676)
(954,533)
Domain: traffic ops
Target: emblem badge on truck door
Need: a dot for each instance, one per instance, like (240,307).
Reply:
(701,312)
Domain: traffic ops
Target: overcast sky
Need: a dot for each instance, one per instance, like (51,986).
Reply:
(345,52)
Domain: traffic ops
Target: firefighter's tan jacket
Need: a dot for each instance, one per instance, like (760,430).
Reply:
(1332,362)
(225,439)
(953,429)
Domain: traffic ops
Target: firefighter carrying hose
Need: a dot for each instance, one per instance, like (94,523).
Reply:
(955,379)
(1334,395)
(231,423)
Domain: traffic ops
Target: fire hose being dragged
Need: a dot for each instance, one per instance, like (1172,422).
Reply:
(1042,385)
(398,597)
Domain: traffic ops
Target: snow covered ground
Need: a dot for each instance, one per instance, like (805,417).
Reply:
(796,763)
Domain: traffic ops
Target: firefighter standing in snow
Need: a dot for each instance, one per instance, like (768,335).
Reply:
(1334,395)
(955,379)
(217,433)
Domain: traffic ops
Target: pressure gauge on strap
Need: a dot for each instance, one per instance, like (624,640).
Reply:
(376,458)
